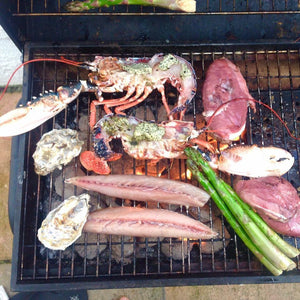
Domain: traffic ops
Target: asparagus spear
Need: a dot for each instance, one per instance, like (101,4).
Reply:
(269,250)
(230,218)
(182,5)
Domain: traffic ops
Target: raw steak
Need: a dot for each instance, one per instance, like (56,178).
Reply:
(275,200)
(224,82)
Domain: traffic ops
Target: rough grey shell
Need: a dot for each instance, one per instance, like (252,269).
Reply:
(63,225)
(56,148)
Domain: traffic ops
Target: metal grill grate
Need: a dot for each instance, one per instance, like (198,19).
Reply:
(218,7)
(273,77)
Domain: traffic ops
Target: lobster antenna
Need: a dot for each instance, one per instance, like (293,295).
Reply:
(61,60)
(256,101)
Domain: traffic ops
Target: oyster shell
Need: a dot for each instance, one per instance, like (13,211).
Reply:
(56,148)
(63,225)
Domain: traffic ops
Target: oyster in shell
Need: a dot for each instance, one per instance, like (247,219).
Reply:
(56,148)
(63,225)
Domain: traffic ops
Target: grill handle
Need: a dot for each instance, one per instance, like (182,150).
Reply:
(16,177)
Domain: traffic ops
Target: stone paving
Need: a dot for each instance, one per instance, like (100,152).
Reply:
(10,59)
(223,292)
(7,103)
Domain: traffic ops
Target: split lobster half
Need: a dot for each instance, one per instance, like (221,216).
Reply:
(152,141)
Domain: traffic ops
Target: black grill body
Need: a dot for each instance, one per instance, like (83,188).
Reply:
(267,53)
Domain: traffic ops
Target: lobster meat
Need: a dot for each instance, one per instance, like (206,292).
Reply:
(140,139)
(137,77)
(37,111)
(253,161)
(148,140)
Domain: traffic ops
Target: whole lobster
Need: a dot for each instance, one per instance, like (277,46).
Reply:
(137,77)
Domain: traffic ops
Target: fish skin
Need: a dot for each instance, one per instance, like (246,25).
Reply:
(144,188)
(146,222)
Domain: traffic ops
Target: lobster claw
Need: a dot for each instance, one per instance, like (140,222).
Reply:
(38,111)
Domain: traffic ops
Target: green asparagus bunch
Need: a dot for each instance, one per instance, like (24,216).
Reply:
(181,5)
(269,248)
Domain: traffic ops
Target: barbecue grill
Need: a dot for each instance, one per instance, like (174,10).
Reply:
(261,37)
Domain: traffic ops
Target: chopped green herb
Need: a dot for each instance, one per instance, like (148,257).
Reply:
(115,125)
(138,69)
(185,72)
(167,62)
(146,131)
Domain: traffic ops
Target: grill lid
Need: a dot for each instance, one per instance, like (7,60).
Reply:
(213,22)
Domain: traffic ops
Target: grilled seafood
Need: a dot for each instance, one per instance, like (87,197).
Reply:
(148,140)
(143,188)
(223,86)
(140,139)
(56,148)
(138,77)
(180,248)
(63,225)
(37,111)
(146,222)
(253,161)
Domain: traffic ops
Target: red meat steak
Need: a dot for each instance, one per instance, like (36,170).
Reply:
(276,201)
(272,196)
(224,82)
(291,228)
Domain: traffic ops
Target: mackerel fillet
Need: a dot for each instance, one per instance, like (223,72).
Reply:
(143,188)
(146,222)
